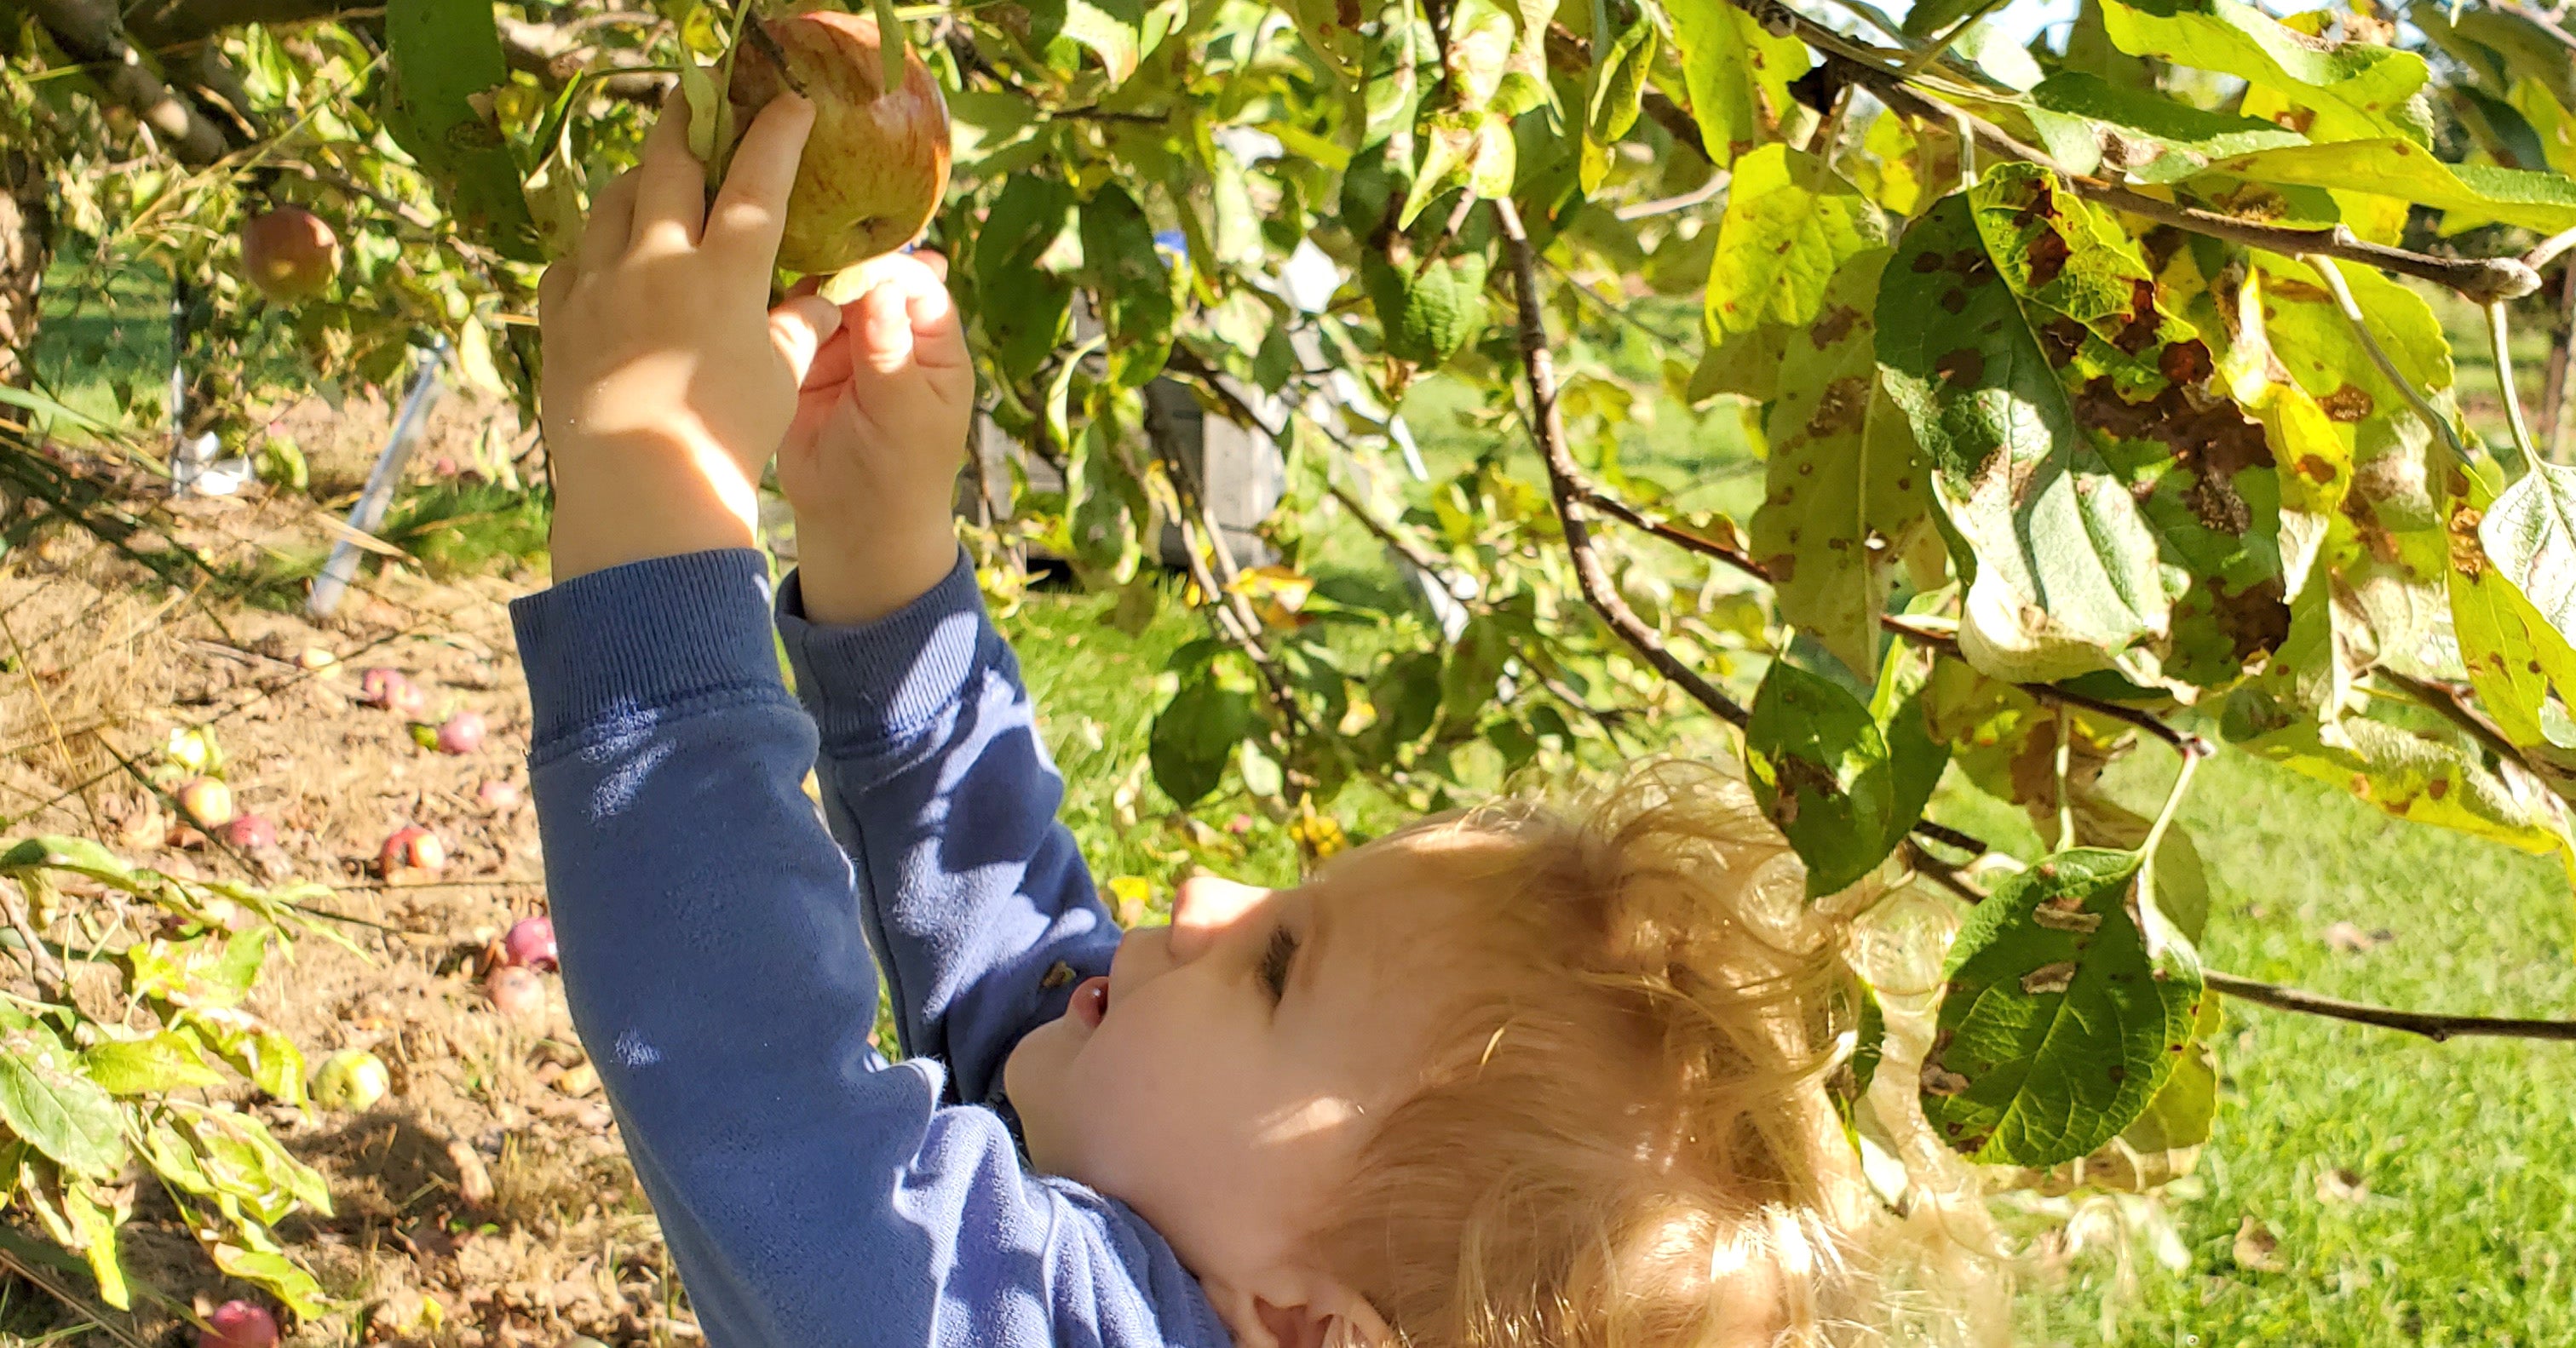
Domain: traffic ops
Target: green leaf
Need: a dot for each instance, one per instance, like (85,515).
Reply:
(1131,285)
(80,856)
(2182,1113)
(35,402)
(2058,1025)
(2158,139)
(2019,334)
(1737,74)
(203,972)
(2530,534)
(63,1115)
(1846,493)
(1849,1084)
(96,1228)
(2347,92)
(1915,759)
(1790,225)
(1618,84)
(1195,733)
(444,54)
(280,1275)
(1023,307)
(2545,202)
(271,1060)
(1108,29)
(149,1066)
(1429,320)
(1819,766)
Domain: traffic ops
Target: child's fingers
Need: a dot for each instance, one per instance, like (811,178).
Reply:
(800,327)
(671,199)
(885,327)
(831,364)
(937,340)
(612,223)
(751,211)
(936,262)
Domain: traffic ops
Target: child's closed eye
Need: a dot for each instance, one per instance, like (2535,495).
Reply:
(1275,958)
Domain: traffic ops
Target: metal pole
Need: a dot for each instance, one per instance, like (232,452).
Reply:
(342,568)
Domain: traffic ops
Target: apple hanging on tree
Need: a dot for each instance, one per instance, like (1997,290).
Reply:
(290,253)
(876,163)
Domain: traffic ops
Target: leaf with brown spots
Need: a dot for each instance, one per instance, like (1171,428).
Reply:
(2054,357)
(1737,75)
(2341,92)
(1845,496)
(1790,225)
(2055,1036)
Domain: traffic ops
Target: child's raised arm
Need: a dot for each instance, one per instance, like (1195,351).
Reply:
(933,774)
(713,952)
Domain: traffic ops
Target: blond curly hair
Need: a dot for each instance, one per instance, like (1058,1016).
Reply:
(1623,1139)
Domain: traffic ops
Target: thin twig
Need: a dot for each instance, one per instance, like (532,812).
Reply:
(2046,692)
(1594,580)
(2500,338)
(1717,182)
(39,958)
(2431,1025)
(2548,249)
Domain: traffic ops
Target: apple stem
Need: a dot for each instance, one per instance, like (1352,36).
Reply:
(768,45)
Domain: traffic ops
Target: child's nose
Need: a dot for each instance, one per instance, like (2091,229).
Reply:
(1204,907)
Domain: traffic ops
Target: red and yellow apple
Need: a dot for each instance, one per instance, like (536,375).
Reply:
(290,253)
(877,161)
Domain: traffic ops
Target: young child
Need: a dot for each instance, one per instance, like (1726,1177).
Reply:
(1516,1077)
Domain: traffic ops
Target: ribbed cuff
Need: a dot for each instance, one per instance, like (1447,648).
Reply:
(645,635)
(874,681)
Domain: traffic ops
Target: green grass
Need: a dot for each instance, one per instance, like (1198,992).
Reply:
(2468,1149)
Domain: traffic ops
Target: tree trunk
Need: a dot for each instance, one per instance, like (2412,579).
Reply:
(26,246)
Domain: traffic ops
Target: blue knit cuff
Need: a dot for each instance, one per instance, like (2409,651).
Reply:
(645,636)
(874,682)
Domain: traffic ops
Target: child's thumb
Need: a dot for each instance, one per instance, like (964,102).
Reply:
(799,327)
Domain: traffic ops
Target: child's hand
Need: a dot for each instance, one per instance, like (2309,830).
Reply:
(871,462)
(668,382)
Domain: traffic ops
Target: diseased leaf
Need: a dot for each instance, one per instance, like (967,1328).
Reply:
(1819,766)
(2057,1024)
(2424,776)
(1790,226)
(2347,92)
(2398,168)
(1737,74)
(1845,494)
(2150,137)
(2075,441)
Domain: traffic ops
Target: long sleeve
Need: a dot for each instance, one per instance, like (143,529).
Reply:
(811,1194)
(937,785)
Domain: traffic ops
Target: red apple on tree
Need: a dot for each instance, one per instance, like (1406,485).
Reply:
(876,163)
(290,253)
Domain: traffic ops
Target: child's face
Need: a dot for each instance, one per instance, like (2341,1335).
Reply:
(1222,1109)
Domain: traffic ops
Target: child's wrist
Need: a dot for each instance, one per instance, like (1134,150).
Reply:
(846,582)
(647,504)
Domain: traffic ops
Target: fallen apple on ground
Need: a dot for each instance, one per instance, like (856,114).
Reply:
(412,846)
(515,992)
(238,1324)
(531,943)
(206,801)
(461,733)
(249,833)
(392,690)
(876,163)
(352,1080)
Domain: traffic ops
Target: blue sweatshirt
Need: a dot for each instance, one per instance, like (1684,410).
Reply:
(721,956)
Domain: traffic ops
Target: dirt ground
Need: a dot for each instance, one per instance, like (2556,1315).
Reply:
(486,1200)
